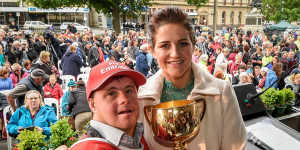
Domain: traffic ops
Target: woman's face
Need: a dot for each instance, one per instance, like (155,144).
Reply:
(173,50)
(33,101)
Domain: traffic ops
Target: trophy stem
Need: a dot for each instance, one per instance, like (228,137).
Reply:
(180,146)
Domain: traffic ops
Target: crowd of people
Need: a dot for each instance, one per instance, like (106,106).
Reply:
(178,61)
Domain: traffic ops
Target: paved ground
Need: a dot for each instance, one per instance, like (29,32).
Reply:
(3,145)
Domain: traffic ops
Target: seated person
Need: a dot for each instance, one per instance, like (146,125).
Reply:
(52,89)
(65,99)
(33,113)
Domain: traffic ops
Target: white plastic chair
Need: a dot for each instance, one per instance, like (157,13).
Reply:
(65,80)
(10,139)
(50,102)
(85,70)
(84,77)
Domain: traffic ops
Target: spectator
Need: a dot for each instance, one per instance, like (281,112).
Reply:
(65,99)
(34,113)
(27,66)
(268,57)
(44,63)
(262,81)
(71,63)
(141,61)
(291,59)
(95,55)
(243,78)
(5,81)
(17,73)
(2,59)
(294,84)
(32,82)
(52,89)
(79,106)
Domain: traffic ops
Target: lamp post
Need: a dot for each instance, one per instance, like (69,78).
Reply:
(215,18)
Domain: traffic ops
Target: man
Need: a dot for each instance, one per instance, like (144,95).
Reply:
(112,96)
(142,62)
(32,82)
(79,106)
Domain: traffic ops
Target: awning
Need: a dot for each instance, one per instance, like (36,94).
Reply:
(13,9)
(61,10)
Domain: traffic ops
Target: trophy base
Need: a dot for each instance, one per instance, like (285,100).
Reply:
(180,146)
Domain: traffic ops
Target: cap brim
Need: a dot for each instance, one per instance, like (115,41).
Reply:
(137,77)
(46,76)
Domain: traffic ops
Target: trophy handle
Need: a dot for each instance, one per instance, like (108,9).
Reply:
(204,106)
(147,112)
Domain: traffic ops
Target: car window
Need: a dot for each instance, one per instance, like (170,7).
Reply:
(41,23)
(34,23)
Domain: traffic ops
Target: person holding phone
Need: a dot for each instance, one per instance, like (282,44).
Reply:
(33,114)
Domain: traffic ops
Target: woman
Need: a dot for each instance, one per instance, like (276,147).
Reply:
(5,82)
(34,113)
(17,73)
(44,63)
(71,63)
(52,89)
(65,99)
(172,44)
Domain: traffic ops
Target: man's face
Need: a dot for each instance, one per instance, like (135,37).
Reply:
(39,81)
(116,104)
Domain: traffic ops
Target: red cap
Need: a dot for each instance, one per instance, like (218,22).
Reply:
(105,70)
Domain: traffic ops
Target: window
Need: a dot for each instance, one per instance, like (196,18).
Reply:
(223,17)
(232,18)
(232,2)
(240,18)
(241,2)
(224,2)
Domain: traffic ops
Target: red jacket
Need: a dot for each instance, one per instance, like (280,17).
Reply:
(55,91)
(15,78)
(98,144)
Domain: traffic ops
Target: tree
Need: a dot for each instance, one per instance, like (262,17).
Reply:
(197,3)
(115,8)
(290,10)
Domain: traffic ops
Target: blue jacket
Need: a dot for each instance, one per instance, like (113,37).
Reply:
(43,119)
(271,77)
(71,64)
(141,64)
(6,84)
(65,104)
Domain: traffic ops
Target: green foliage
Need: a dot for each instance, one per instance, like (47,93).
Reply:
(197,3)
(290,10)
(62,134)
(31,140)
(273,97)
(131,8)
(288,96)
(269,98)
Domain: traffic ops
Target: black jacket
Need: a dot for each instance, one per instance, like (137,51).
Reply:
(78,102)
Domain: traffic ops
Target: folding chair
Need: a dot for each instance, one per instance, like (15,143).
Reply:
(65,80)
(83,77)
(10,140)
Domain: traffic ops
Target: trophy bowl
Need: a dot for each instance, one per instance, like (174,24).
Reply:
(174,123)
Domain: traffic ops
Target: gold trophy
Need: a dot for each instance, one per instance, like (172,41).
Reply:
(174,123)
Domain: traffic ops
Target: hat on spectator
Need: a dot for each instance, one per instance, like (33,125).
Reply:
(68,41)
(39,73)
(104,71)
(72,83)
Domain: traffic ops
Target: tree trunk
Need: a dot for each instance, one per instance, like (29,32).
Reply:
(116,19)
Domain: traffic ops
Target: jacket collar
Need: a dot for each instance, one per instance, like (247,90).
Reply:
(204,84)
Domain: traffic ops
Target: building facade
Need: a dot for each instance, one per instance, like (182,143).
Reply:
(17,11)
(229,12)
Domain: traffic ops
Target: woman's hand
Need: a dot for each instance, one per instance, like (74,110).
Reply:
(40,129)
